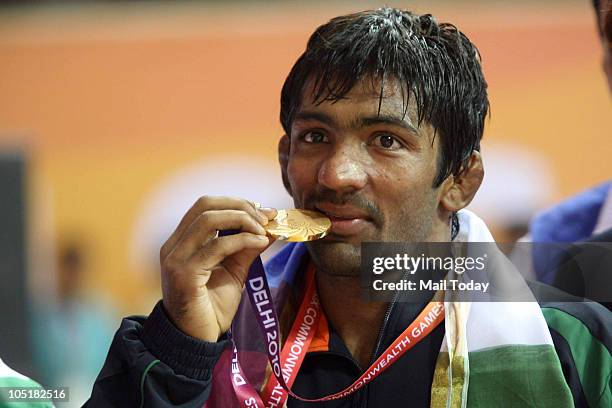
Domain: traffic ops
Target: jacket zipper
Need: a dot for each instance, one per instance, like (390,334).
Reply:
(381,332)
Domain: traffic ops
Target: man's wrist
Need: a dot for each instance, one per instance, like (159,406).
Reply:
(186,355)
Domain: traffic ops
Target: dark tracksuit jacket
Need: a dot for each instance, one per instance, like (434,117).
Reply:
(153,364)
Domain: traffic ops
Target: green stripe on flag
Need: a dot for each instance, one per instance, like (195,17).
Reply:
(517,376)
(592,359)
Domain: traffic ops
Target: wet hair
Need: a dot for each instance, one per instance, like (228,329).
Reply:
(434,63)
(603,19)
(597,8)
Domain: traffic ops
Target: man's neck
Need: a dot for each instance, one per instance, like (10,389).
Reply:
(356,321)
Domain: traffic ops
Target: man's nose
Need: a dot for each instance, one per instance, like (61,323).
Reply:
(344,170)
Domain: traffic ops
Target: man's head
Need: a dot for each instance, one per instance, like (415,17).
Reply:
(603,19)
(383,116)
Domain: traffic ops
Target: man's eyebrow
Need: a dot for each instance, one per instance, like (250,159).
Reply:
(318,116)
(360,122)
(387,119)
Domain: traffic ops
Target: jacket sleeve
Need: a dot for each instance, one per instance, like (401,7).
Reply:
(153,364)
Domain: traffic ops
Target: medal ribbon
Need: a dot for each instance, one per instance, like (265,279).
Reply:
(261,301)
(297,343)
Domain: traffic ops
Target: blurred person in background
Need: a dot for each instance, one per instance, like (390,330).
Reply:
(71,333)
(586,216)
(10,378)
(603,17)
(356,149)
(585,268)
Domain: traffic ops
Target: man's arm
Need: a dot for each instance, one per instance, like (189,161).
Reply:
(153,364)
(168,358)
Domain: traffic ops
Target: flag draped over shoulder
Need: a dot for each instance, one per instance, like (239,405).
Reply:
(496,353)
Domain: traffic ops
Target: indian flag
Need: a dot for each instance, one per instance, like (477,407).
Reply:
(496,354)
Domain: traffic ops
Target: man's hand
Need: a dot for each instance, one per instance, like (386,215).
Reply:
(203,275)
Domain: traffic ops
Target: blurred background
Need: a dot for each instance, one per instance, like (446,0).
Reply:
(116,115)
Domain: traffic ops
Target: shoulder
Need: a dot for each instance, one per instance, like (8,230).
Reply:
(12,379)
(581,335)
(573,315)
(572,219)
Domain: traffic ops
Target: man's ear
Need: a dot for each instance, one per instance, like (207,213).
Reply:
(458,191)
(284,144)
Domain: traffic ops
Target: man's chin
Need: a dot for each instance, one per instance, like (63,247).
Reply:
(337,258)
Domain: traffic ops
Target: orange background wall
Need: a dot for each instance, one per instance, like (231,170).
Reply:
(106,100)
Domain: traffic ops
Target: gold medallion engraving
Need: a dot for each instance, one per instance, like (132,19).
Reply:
(298,225)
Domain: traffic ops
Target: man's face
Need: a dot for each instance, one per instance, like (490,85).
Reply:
(371,173)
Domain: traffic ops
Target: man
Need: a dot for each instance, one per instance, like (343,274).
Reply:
(383,116)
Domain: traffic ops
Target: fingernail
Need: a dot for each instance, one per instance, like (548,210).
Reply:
(269,210)
(262,217)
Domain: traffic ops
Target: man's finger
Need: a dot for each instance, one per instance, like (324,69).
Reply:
(205,228)
(203,204)
(217,250)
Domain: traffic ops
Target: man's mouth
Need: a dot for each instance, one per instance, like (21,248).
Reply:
(346,220)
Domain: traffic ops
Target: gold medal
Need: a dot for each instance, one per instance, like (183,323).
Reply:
(298,225)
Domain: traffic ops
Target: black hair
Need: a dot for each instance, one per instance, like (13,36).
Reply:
(434,63)
(597,8)
(603,20)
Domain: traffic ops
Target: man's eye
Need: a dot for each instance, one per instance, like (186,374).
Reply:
(314,137)
(387,142)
